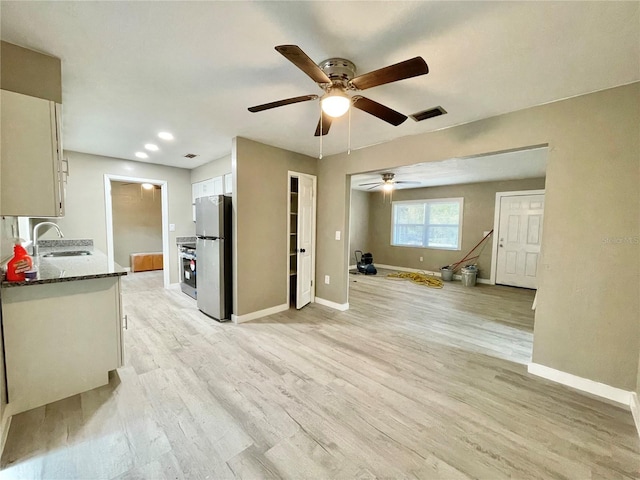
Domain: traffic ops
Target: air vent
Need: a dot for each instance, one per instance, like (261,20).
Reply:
(432,112)
(190,155)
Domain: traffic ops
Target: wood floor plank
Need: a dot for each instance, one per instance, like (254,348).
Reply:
(410,382)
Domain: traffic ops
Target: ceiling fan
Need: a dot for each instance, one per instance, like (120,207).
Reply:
(387,182)
(337,76)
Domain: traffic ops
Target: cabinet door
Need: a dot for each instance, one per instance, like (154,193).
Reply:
(228,183)
(60,339)
(31,170)
(218,186)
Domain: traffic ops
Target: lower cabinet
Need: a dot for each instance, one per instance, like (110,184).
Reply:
(60,339)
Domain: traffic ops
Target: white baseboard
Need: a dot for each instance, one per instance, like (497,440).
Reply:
(328,303)
(259,314)
(352,267)
(635,410)
(616,395)
(405,269)
(429,272)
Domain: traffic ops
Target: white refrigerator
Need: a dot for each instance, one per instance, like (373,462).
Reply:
(213,254)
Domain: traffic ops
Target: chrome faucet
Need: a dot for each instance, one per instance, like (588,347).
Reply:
(35,235)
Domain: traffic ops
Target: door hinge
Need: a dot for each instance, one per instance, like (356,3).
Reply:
(312,283)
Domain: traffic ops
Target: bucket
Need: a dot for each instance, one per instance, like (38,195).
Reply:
(469,275)
(447,274)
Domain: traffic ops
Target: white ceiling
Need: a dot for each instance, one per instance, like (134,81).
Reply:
(531,163)
(131,69)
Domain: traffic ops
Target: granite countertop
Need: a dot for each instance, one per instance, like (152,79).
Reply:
(183,240)
(67,269)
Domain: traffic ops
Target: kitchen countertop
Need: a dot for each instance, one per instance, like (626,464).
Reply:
(68,269)
(183,240)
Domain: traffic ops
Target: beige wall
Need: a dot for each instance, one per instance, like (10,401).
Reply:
(85,204)
(588,303)
(215,168)
(30,73)
(137,220)
(359,224)
(478,216)
(260,199)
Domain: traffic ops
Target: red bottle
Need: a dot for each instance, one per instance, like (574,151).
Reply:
(20,263)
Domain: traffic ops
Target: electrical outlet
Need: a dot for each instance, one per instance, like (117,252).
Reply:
(172,227)
(421,259)
(337,234)
(327,280)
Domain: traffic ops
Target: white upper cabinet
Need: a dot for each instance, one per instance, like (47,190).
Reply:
(228,183)
(212,186)
(32,175)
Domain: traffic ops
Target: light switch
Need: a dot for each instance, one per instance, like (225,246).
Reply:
(327,279)
(172,227)
(337,234)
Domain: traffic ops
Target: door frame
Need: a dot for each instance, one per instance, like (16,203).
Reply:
(165,218)
(314,178)
(496,225)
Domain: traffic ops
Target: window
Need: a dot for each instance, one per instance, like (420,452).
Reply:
(427,223)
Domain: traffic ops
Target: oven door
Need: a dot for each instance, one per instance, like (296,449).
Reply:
(188,273)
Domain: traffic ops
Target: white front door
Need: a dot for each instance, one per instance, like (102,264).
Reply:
(305,240)
(519,237)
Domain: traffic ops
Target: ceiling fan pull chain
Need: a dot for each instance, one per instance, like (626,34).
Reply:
(349,144)
(321,131)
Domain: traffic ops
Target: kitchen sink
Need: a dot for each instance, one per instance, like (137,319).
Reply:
(68,253)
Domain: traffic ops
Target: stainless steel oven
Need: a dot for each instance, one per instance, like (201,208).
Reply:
(188,270)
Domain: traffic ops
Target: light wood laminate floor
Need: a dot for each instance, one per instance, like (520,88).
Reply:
(409,383)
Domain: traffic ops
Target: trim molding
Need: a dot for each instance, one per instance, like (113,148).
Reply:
(602,390)
(635,410)
(259,314)
(336,306)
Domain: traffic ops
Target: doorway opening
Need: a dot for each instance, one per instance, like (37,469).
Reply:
(412,225)
(301,245)
(127,201)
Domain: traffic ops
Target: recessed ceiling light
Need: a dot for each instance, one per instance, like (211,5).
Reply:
(165,135)
(152,147)
(141,155)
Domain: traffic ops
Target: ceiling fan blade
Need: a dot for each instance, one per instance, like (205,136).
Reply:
(295,55)
(408,183)
(280,103)
(375,186)
(378,110)
(367,184)
(326,124)
(399,71)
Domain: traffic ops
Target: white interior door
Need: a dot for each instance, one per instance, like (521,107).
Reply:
(305,241)
(519,237)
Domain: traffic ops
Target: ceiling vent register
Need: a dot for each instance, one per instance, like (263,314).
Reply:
(430,113)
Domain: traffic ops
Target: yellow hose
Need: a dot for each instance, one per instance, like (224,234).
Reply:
(419,278)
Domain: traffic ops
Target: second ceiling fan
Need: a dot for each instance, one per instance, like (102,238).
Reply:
(337,76)
(388,182)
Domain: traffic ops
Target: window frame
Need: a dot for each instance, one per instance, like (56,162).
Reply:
(426,201)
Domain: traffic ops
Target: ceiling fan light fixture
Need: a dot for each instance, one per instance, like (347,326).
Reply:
(335,103)
(387,187)
(147,186)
